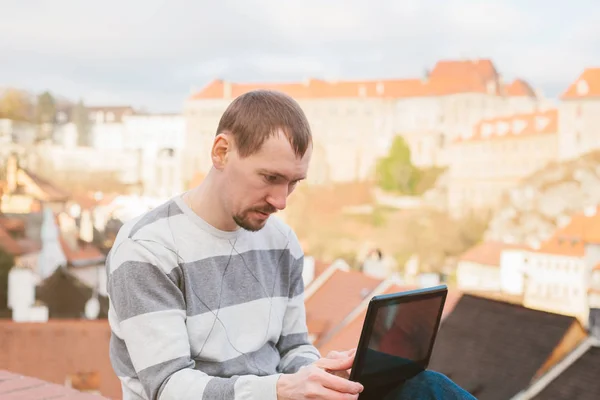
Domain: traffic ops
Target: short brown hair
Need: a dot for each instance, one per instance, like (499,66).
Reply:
(257,115)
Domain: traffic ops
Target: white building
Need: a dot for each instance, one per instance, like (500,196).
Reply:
(557,276)
(353,122)
(580,116)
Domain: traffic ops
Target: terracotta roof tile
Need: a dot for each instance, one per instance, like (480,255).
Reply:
(489,253)
(56,349)
(519,88)
(571,240)
(451,76)
(51,192)
(19,387)
(516,126)
(336,298)
(587,85)
(84,252)
(447,77)
(12,224)
(8,244)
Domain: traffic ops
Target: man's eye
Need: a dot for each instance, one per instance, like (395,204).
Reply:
(271,178)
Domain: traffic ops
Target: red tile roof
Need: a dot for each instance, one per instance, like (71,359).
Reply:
(447,77)
(56,349)
(516,126)
(8,244)
(12,224)
(519,88)
(586,86)
(84,252)
(19,387)
(346,337)
(336,298)
(489,253)
(571,240)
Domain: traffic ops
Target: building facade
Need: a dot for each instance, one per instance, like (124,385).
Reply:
(496,155)
(580,116)
(354,122)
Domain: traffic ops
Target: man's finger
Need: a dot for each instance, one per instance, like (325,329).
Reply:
(335,364)
(341,385)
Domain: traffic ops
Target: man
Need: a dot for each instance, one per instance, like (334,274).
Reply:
(206,291)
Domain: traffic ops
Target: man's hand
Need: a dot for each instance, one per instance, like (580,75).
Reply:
(314,382)
(339,355)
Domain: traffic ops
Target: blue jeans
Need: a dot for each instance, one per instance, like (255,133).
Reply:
(429,385)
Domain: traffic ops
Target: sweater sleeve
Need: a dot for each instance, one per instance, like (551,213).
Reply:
(294,345)
(148,315)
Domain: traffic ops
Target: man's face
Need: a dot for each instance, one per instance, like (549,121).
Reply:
(258,185)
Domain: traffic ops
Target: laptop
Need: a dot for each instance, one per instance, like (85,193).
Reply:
(397,339)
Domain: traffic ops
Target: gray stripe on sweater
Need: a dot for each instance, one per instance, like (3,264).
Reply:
(154,378)
(119,357)
(154,290)
(262,362)
(290,341)
(220,389)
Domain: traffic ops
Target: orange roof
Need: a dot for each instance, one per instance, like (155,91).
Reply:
(8,244)
(516,126)
(451,76)
(347,336)
(83,252)
(586,86)
(571,240)
(13,387)
(447,77)
(519,88)
(336,298)
(12,224)
(56,349)
(489,253)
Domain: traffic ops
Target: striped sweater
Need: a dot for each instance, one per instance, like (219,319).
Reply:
(199,313)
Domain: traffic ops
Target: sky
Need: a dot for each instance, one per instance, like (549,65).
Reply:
(153,54)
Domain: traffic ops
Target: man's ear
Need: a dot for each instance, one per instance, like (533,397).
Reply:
(222,146)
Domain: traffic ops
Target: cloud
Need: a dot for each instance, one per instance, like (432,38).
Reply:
(150,53)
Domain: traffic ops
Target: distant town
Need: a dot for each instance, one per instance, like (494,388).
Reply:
(454,177)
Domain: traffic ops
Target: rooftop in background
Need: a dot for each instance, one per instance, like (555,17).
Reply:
(489,253)
(585,87)
(513,127)
(58,349)
(494,349)
(447,77)
(570,240)
(578,381)
(19,387)
(333,295)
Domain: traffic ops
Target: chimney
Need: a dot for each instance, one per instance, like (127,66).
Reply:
(227,90)
(21,296)
(51,256)
(12,168)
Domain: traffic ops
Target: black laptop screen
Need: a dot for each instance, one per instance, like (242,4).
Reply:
(406,330)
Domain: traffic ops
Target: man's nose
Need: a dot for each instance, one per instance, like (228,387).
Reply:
(278,197)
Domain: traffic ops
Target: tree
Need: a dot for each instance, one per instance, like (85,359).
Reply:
(82,123)
(6,263)
(45,110)
(396,172)
(16,105)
